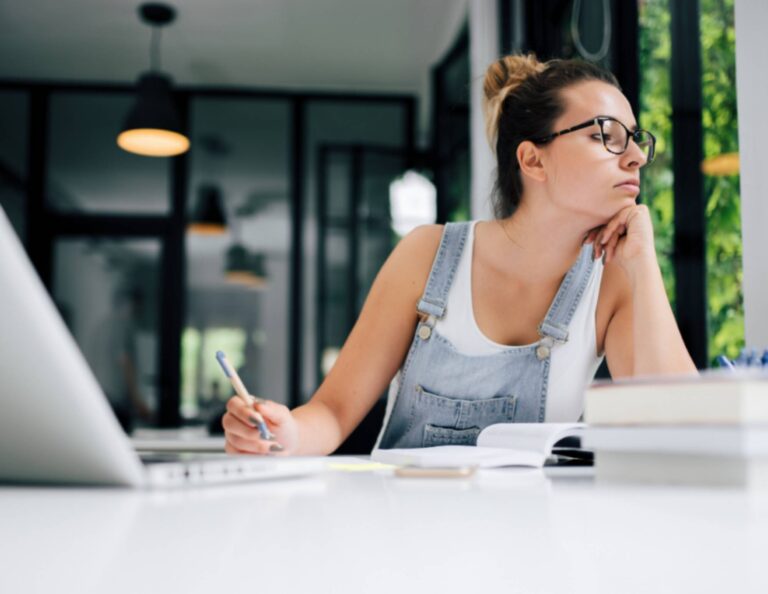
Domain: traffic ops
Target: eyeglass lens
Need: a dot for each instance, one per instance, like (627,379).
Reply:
(615,139)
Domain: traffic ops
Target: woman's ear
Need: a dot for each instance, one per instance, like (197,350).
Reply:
(529,158)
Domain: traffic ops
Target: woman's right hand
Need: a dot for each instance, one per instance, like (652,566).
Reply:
(242,431)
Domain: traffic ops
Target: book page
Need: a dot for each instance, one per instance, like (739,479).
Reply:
(536,437)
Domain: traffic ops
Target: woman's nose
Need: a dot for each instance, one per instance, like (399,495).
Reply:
(634,155)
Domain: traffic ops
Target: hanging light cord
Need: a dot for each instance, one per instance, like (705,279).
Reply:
(585,53)
(154,50)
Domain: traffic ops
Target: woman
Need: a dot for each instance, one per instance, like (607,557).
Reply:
(505,320)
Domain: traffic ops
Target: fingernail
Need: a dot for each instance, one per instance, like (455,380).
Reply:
(276,447)
(255,421)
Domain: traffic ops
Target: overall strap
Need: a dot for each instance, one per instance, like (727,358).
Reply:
(554,327)
(443,269)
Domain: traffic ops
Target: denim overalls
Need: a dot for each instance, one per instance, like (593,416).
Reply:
(446,397)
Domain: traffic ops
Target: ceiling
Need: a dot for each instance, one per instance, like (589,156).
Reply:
(348,45)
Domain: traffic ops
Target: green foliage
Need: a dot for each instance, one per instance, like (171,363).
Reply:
(656,116)
(723,207)
(720,125)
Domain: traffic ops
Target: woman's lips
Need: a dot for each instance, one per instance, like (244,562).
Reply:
(629,186)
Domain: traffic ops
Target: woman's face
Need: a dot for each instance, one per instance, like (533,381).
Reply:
(582,176)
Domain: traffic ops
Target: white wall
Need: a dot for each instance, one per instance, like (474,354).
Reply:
(483,49)
(752,96)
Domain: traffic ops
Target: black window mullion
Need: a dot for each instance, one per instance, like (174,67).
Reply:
(39,239)
(626,54)
(295,317)
(322,268)
(173,288)
(353,215)
(689,242)
(409,130)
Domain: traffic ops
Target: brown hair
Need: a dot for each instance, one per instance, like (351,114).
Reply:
(522,100)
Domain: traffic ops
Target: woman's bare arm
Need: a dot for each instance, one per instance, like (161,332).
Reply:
(375,348)
(642,337)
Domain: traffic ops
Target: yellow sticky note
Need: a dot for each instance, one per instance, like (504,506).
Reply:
(362,467)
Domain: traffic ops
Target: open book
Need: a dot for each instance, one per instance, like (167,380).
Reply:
(504,444)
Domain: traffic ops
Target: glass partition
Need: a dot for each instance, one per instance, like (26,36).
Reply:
(237,276)
(335,124)
(87,171)
(354,241)
(107,293)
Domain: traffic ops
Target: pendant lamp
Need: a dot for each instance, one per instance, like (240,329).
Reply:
(245,268)
(208,217)
(258,271)
(152,127)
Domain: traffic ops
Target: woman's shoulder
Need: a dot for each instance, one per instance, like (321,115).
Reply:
(410,262)
(420,245)
(424,235)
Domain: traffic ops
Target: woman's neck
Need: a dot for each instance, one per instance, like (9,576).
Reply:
(538,245)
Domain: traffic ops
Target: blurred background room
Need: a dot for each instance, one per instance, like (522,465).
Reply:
(305,138)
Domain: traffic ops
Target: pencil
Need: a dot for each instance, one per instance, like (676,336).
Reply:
(240,390)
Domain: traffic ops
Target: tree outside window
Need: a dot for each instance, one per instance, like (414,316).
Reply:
(720,131)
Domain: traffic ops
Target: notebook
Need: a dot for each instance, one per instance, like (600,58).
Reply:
(56,425)
(502,444)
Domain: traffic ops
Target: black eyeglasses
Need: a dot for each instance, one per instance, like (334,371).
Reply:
(614,135)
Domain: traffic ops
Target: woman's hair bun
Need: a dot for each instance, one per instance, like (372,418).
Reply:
(502,78)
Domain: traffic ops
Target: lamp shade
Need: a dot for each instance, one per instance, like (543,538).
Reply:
(152,127)
(245,268)
(258,271)
(208,217)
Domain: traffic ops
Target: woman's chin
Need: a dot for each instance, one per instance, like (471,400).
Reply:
(626,200)
(629,196)
(617,206)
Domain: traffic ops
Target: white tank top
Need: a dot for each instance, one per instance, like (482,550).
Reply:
(573,364)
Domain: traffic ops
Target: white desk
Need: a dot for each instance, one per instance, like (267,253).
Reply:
(504,531)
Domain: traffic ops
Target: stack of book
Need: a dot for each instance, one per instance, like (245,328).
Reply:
(711,429)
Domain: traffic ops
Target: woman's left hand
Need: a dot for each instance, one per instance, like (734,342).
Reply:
(627,238)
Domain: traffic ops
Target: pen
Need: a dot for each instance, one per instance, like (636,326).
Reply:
(240,390)
(724,361)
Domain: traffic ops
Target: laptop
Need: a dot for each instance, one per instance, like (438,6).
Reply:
(56,424)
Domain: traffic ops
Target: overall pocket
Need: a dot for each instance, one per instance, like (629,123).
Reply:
(458,421)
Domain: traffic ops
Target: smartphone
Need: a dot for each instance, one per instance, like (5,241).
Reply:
(435,472)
